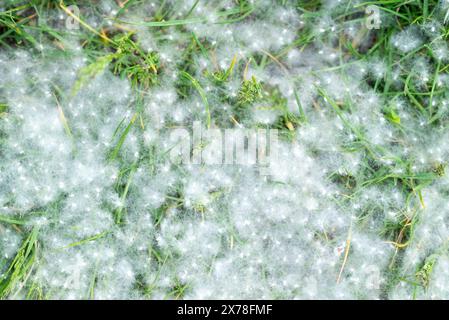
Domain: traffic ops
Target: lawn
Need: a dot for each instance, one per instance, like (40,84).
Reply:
(224,149)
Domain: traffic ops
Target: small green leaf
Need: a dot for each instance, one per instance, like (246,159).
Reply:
(91,71)
(250,92)
(393,117)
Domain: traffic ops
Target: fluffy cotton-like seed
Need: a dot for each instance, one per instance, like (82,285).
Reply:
(408,40)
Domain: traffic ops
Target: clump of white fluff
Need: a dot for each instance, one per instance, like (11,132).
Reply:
(131,224)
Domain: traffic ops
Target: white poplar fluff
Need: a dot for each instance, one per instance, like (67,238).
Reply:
(89,169)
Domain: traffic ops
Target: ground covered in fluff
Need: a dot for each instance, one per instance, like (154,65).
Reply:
(354,206)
